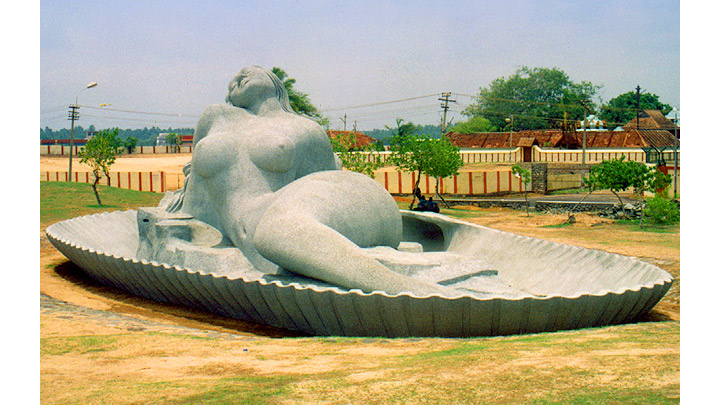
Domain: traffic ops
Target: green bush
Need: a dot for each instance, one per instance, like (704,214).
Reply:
(660,210)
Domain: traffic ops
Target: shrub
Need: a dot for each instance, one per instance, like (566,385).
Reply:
(660,210)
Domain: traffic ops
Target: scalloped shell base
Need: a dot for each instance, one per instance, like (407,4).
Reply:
(531,285)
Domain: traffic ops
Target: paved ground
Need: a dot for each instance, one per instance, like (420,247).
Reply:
(572,198)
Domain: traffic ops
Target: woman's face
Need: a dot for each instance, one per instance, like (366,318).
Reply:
(249,86)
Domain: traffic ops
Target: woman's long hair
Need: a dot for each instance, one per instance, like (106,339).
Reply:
(281,93)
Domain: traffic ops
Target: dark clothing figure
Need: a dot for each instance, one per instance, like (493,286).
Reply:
(426,205)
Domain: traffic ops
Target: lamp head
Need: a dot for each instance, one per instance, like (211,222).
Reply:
(91,84)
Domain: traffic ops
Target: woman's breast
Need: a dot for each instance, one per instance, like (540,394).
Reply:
(273,152)
(252,160)
(214,155)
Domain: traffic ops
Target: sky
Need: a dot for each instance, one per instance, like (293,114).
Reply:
(161,63)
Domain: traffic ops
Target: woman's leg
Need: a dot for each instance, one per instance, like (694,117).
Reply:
(300,243)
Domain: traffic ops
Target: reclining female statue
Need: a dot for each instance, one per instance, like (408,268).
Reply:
(268,180)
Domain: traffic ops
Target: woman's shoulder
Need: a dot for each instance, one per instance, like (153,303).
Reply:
(217,116)
(307,125)
(222,110)
(221,114)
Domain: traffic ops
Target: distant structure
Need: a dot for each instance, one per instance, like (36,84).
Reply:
(162,139)
(76,141)
(653,120)
(555,138)
(592,123)
(361,140)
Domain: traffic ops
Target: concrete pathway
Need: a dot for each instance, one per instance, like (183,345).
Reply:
(571,198)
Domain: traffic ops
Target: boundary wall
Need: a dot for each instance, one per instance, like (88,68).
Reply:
(64,150)
(472,183)
(467,156)
(464,183)
(596,155)
(539,155)
(141,181)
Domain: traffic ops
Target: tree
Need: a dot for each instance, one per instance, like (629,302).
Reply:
(623,108)
(354,158)
(100,153)
(660,210)
(130,143)
(444,161)
(435,157)
(652,180)
(525,177)
(473,125)
(537,98)
(174,140)
(299,101)
(402,129)
(619,175)
(378,146)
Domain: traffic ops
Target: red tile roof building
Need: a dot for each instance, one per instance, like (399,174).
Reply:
(361,140)
(555,138)
(78,142)
(651,119)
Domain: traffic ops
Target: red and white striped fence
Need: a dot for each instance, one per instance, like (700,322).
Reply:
(464,183)
(141,181)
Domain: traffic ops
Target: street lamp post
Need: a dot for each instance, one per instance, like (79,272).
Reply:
(73,116)
(675,163)
(511,122)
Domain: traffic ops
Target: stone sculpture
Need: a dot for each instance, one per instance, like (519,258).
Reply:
(268,229)
(267,180)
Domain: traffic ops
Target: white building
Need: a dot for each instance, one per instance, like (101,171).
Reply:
(162,139)
(593,124)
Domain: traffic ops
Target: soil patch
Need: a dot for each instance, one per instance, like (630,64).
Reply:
(170,163)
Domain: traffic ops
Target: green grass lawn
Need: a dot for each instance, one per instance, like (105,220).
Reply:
(61,200)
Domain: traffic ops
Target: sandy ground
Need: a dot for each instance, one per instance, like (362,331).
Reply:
(171,163)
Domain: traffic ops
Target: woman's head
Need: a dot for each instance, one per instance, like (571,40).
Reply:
(255,82)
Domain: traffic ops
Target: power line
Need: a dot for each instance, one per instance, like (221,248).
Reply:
(49,110)
(133,119)
(144,112)
(379,103)
(368,115)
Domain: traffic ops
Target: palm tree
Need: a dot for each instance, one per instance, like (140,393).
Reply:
(300,102)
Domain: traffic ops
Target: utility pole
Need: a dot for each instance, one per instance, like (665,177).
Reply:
(445,98)
(511,121)
(675,151)
(344,120)
(637,110)
(73,115)
(585,124)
